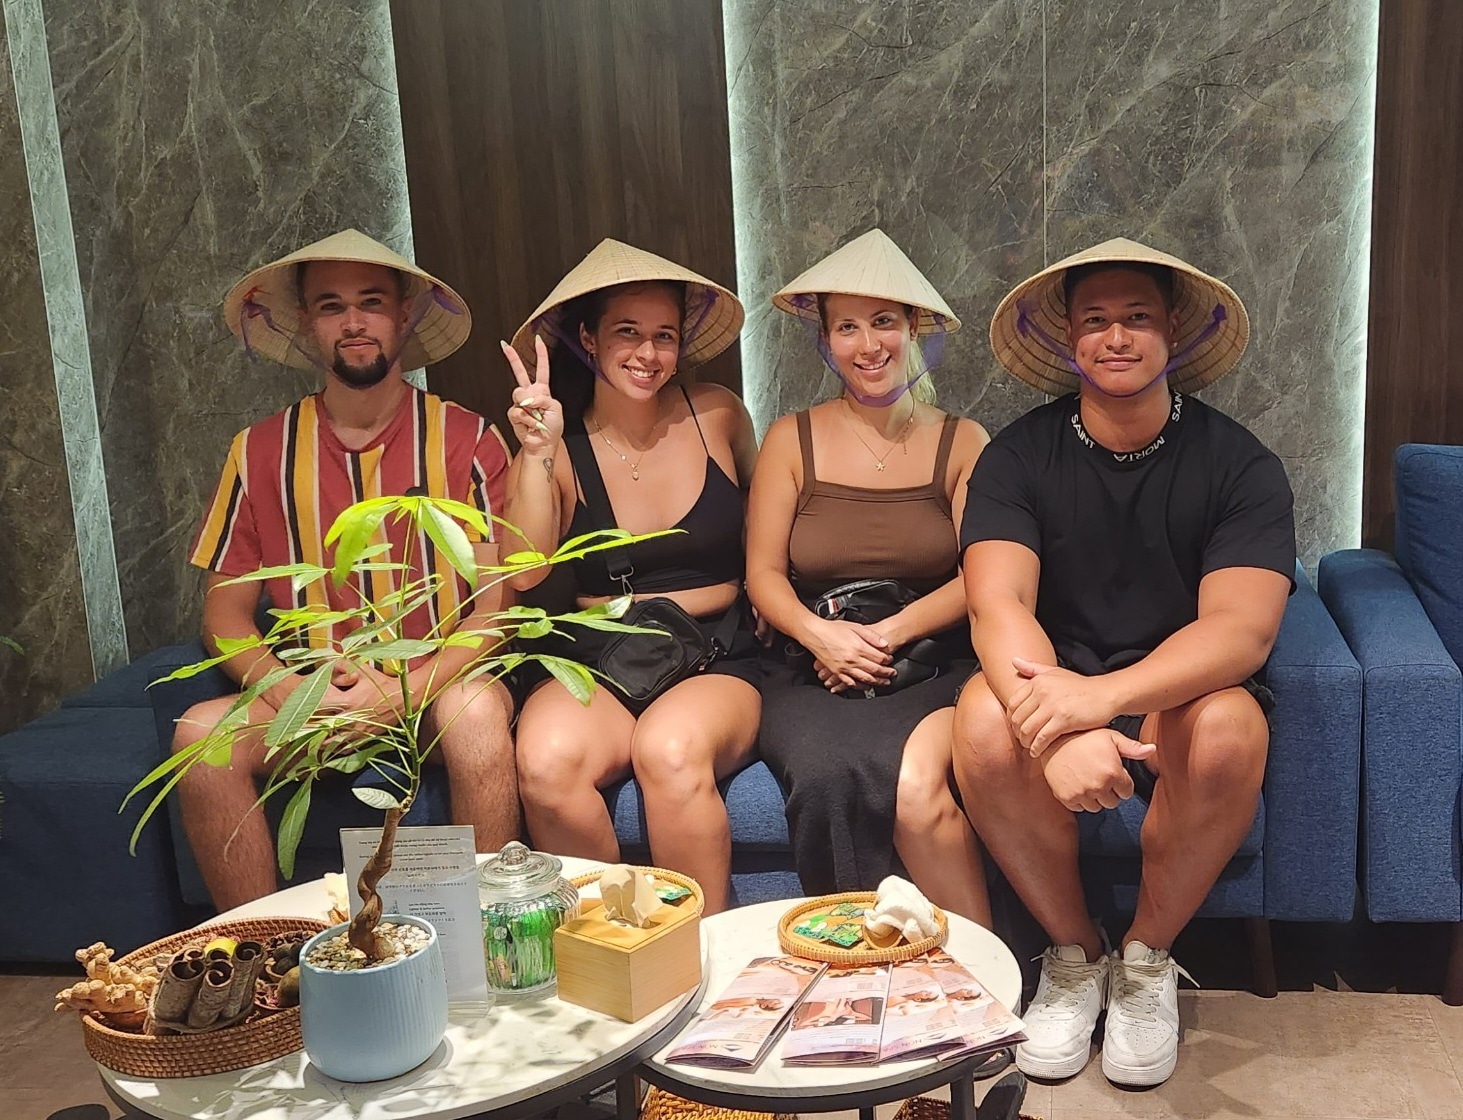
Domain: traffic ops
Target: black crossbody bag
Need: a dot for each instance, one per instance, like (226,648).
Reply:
(643,666)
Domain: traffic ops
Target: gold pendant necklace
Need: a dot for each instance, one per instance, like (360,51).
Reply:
(899,438)
(634,467)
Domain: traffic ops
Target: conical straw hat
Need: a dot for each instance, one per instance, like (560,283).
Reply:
(1037,310)
(869,265)
(263,309)
(713,314)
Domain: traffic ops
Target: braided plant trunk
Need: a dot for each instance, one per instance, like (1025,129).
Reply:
(363,934)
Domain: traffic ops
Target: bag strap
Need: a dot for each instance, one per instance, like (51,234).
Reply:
(597,501)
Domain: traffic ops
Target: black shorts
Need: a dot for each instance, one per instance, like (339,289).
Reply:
(1144,779)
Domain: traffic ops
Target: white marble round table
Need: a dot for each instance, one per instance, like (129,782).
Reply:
(737,936)
(517,1058)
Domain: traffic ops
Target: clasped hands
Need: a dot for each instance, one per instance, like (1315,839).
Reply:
(1061,717)
(853,654)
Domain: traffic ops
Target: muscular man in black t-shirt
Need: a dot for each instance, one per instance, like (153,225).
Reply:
(1127,554)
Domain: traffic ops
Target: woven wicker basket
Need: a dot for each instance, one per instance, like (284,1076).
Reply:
(932,1108)
(660,1105)
(194,1055)
(800,946)
(581,881)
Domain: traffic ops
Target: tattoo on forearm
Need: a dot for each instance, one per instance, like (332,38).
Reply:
(548,462)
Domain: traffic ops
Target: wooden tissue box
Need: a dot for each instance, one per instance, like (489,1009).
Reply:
(628,972)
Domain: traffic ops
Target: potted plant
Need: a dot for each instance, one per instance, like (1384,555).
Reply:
(306,739)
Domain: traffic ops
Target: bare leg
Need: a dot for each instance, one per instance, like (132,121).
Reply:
(697,733)
(566,754)
(1211,763)
(931,834)
(237,866)
(477,749)
(1030,834)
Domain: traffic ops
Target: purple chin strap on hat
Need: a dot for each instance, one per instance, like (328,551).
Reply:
(555,326)
(1028,327)
(931,349)
(250,309)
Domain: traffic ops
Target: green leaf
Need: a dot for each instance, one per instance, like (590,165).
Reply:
(352,533)
(403,648)
(349,763)
(538,628)
(524,560)
(292,827)
(572,675)
(452,542)
(375,798)
(298,707)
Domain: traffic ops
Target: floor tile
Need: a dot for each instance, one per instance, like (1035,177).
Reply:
(1316,1054)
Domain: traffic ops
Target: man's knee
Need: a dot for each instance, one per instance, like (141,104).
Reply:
(476,714)
(199,721)
(982,741)
(1222,739)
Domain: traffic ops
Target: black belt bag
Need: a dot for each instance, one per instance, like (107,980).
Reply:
(644,666)
(867,601)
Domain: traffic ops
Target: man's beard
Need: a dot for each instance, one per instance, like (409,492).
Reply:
(361,377)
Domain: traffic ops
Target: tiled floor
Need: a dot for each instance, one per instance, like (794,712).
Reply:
(1357,1038)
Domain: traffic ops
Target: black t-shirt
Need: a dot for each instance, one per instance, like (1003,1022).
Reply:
(1125,538)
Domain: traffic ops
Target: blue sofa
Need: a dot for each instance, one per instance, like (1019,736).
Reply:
(1403,618)
(63,845)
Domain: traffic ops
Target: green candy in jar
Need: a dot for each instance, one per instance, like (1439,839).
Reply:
(523,898)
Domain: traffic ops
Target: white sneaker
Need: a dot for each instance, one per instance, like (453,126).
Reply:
(1141,1040)
(1063,1013)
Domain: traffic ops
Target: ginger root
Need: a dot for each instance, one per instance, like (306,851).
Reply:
(109,988)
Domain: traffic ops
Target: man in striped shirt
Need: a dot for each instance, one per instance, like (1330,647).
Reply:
(359,312)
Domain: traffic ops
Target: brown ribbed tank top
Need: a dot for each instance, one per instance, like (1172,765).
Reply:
(843,533)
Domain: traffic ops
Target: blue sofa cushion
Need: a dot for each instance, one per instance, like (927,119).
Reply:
(64,863)
(753,802)
(1428,481)
(127,687)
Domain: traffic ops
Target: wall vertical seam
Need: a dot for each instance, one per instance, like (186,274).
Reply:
(40,134)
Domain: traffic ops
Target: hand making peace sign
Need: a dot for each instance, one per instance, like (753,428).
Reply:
(537,419)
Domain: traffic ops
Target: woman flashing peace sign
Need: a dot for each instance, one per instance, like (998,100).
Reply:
(602,428)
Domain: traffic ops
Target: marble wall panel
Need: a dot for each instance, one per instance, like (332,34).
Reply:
(41,604)
(201,139)
(923,119)
(1237,134)
(989,137)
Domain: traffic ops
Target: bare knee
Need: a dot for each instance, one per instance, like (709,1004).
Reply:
(672,763)
(982,745)
(199,721)
(1222,742)
(473,721)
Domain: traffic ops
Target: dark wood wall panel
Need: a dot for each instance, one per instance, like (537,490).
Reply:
(535,128)
(1415,349)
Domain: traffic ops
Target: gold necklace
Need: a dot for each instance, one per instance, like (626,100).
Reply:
(899,438)
(634,467)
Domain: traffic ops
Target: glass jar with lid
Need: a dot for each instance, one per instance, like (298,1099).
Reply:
(524,898)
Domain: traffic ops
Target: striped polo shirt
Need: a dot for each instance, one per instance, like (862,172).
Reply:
(288,477)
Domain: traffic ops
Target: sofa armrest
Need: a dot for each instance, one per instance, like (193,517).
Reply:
(1312,771)
(1411,733)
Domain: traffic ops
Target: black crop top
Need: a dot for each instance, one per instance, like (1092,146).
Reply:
(706,552)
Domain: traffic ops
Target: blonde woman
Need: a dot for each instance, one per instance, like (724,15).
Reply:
(868,485)
(602,415)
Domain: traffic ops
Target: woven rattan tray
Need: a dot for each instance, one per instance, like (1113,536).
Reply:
(800,946)
(661,1105)
(674,877)
(194,1055)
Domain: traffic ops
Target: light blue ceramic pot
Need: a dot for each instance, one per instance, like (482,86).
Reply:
(374,1023)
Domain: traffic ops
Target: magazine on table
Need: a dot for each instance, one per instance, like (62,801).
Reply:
(840,1021)
(984,1022)
(738,1029)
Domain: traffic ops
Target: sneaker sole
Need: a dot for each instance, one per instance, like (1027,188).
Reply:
(1053,1070)
(1138,1078)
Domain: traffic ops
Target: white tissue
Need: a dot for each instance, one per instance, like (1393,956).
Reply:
(900,908)
(628,895)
